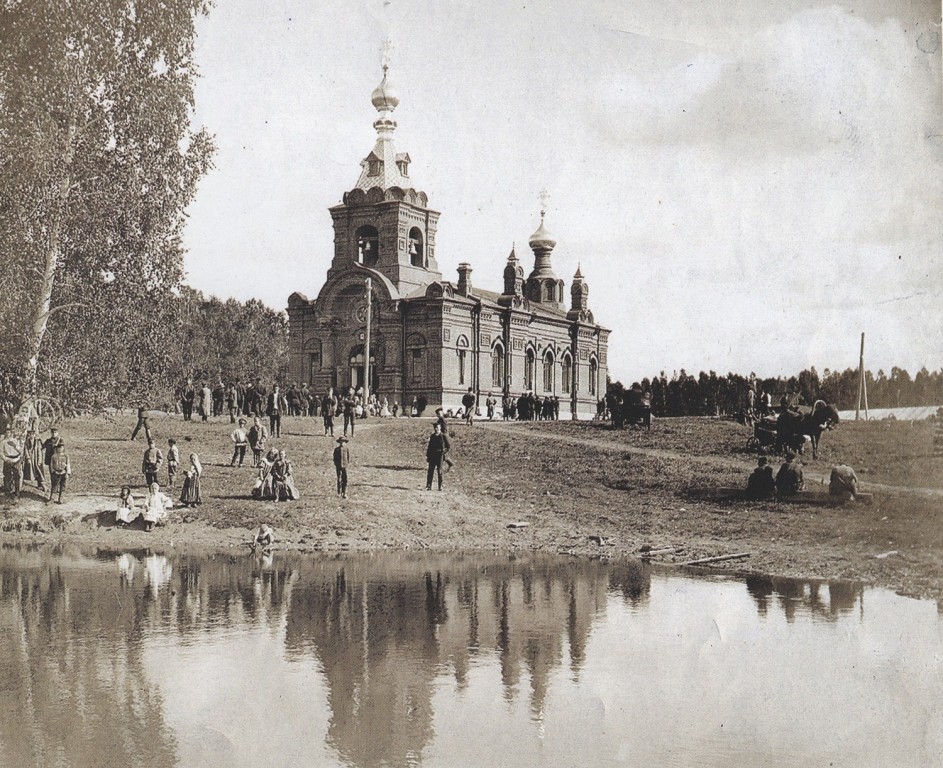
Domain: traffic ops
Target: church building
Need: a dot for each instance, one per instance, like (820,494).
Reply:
(429,337)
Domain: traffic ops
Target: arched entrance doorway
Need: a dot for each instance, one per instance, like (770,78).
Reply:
(357,369)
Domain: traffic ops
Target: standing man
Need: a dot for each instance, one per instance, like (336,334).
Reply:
(142,422)
(341,463)
(274,408)
(444,427)
(49,446)
(469,401)
(261,395)
(239,440)
(349,404)
(490,404)
(206,402)
(186,401)
(328,408)
(153,458)
(436,451)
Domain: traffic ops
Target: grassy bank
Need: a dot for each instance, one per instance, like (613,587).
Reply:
(578,488)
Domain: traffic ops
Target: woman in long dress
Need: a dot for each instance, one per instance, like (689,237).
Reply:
(156,505)
(127,511)
(190,495)
(263,483)
(283,483)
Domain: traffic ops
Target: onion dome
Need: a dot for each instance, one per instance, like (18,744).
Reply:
(542,239)
(384,97)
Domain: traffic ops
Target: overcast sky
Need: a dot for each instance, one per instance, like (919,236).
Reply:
(747,185)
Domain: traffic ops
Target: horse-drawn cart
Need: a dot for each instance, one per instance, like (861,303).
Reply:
(792,429)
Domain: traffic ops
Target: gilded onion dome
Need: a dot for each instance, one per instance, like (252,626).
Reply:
(542,239)
(384,97)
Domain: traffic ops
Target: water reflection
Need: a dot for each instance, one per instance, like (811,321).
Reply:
(164,660)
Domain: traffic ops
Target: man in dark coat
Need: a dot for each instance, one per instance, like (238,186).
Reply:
(761,484)
(341,463)
(469,402)
(436,452)
(274,409)
(789,478)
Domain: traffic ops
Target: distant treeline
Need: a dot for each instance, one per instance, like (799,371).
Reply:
(708,394)
(142,354)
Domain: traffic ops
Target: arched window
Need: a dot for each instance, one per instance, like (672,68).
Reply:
(497,367)
(593,376)
(461,344)
(566,373)
(368,245)
(416,248)
(530,364)
(548,371)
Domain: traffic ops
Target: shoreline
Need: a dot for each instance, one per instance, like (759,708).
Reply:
(577,490)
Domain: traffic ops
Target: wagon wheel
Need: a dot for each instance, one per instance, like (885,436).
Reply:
(753,442)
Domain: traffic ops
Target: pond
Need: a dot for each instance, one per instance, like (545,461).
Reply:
(139,658)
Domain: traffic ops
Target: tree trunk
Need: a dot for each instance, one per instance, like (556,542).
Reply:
(43,303)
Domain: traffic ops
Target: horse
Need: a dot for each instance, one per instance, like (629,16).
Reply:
(792,427)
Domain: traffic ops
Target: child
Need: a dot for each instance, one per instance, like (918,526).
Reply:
(256,438)
(239,440)
(59,471)
(341,462)
(173,461)
(155,507)
(190,495)
(126,513)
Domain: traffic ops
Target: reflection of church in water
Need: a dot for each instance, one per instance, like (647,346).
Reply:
(429,337)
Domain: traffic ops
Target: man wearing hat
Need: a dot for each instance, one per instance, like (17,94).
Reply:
(436,450)
(240,440)
(341,463)
(761,484)
(12,466)
(789,478)
(49,445)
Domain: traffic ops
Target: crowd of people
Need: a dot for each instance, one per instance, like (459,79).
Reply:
(46,463)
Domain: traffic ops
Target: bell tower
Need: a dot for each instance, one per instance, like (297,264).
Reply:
(384,222)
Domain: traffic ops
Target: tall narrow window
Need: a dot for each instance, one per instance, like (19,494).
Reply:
(461,366)
(497,367)
(530,363)
(566,374)
(593,375)
(548,372)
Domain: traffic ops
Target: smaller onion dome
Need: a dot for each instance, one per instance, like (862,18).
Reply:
(384,96)
(542,238)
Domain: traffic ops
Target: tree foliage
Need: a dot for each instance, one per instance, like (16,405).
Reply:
(98,163)
(713,395)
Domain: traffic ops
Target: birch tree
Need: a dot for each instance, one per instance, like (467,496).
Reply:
(98,162)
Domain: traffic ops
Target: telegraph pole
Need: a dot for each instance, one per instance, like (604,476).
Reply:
(366,345)
(862,385)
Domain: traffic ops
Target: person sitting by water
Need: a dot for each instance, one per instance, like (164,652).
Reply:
(762,484)
(283,483)
(789,478)
(127,511)
(156,505)
(263,483)
(843,482)
(264,537)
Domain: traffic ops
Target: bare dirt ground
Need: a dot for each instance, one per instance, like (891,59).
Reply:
(577,488)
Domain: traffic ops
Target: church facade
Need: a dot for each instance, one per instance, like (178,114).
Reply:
(429,337)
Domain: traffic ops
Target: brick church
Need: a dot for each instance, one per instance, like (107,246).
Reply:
(430,337)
